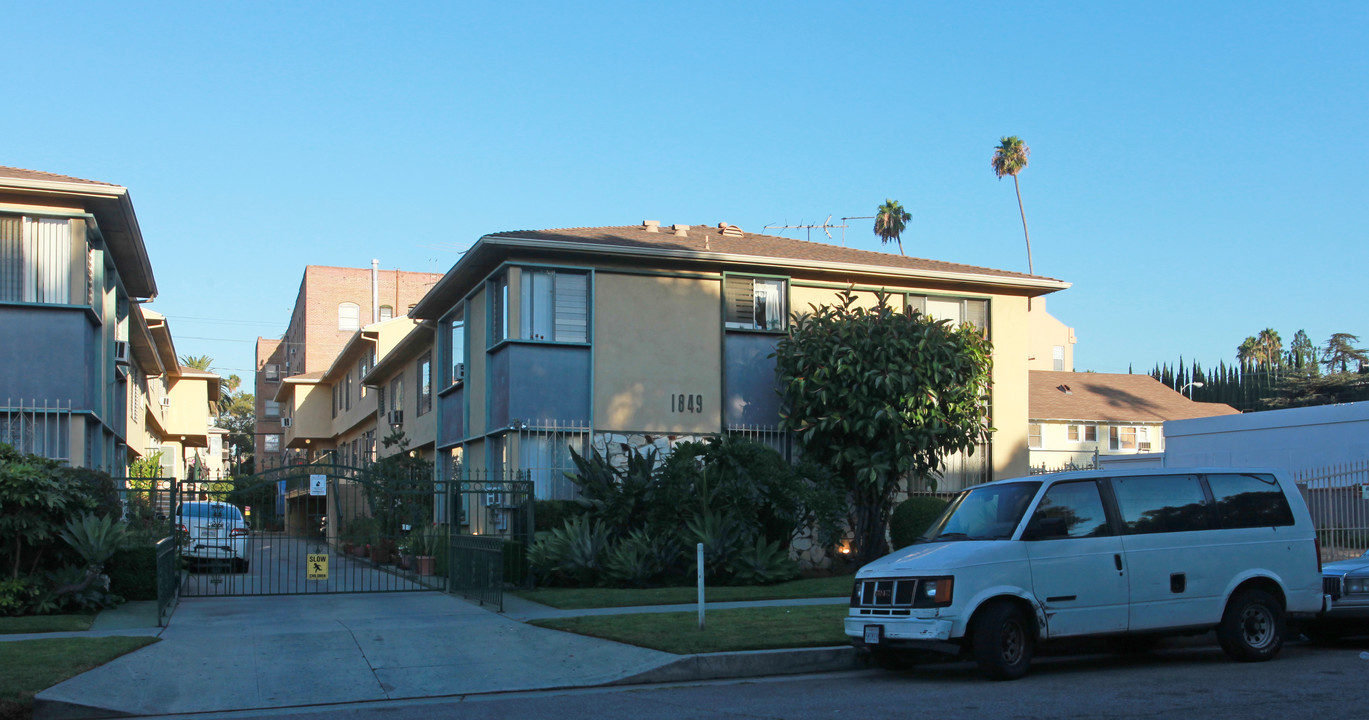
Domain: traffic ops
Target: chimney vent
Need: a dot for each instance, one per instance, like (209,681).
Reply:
(652,225)
(729,230)
(681,230)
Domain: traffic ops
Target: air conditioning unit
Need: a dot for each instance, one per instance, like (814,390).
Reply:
(121,352)
(396,417)
(458,372)
(286,422)
(166,401)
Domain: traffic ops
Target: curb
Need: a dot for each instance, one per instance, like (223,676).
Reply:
(754,663)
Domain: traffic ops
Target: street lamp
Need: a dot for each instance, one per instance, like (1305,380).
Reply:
(1189,387)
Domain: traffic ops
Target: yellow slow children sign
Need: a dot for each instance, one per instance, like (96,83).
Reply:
(316,567)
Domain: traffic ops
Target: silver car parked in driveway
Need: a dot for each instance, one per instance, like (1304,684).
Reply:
(213,531)
(1347,582)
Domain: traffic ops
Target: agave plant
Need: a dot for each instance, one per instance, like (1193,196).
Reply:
(574,551)
(95,539)
(762,563)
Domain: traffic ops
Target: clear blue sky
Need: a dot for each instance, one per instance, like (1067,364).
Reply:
(1197,169)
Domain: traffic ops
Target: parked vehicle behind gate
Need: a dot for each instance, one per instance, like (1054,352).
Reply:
(213,531)
(1142,552)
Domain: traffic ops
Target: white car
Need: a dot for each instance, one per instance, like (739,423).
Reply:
(213,531)
(1096,553)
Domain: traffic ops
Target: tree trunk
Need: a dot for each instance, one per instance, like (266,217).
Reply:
(869,517)
(1025,234)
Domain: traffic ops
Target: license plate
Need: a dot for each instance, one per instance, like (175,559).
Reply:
(872,634)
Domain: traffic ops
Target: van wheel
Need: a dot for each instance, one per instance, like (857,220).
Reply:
(1252,627)
(1002,642)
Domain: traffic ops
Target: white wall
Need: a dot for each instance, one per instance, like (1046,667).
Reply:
(1294,439)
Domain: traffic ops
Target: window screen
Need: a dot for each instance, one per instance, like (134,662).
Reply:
(754,303)
(1246,501)
(1161,503)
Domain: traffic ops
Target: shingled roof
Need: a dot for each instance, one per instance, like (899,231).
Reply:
(1103,397)
(708,239)
(22,174)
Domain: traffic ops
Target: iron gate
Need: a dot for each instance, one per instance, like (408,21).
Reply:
(314,528)
(492,519)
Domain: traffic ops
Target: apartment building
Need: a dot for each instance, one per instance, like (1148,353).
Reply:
(331,308)
(620,338)
(73,267)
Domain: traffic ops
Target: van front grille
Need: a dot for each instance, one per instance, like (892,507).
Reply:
(884,593)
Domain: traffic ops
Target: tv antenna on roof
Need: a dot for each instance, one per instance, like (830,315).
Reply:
(825,226)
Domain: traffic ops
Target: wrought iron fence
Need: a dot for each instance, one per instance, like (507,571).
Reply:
(37,428)
(476,569)
(782,441)
(168,577)
(1337,497)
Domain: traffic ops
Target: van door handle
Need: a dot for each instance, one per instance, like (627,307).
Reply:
(1117,559)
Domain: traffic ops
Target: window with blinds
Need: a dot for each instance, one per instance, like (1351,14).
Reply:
(554,306)
(35,260)
(958,310)
(752,303)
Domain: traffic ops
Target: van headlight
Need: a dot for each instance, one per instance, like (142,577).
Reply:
(934,592)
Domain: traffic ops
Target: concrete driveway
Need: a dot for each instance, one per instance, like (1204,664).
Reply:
(262,652)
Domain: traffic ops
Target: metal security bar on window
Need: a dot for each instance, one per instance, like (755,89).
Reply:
(544,453)
(37,428)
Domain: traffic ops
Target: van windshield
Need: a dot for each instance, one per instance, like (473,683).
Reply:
(989,512)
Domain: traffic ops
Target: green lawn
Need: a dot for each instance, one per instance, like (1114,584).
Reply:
(30,666)
(578,598)
(45,623)
(762,628)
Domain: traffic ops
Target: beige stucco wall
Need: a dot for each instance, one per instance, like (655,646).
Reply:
(654,337)
(312,415)
(1057,449)
(420,430)
(189,411)
(1045,332)
(1008,330)
(475,374)
(802,298)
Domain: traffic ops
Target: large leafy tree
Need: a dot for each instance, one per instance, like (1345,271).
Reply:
(1010,158)
(878,396)
(890,222)
(1341,351)
(1302,354)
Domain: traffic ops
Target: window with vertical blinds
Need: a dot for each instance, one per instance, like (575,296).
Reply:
(554,306)
(957,310)
(35,260)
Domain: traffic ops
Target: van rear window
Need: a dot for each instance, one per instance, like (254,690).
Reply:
(1161,503)
(1247,501)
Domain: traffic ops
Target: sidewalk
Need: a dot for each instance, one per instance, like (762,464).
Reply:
(249,653)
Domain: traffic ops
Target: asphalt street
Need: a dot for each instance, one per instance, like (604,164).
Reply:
(1185,682)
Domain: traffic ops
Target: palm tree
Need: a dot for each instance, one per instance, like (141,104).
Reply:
(1010,158)
(890,221)
(1269,347)
(1246,353)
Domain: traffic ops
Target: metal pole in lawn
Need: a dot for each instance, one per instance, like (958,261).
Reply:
(699,562)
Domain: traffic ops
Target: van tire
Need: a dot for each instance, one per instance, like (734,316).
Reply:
(1002,641)
(1252,627)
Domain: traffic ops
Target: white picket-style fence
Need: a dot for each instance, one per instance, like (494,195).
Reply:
(1338,498)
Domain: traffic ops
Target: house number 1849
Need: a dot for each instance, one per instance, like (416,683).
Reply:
(683,403)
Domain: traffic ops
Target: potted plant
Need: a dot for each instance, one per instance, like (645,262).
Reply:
(425,548)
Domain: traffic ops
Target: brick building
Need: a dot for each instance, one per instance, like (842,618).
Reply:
(332,306)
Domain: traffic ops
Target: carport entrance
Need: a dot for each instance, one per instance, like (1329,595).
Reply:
(317,529)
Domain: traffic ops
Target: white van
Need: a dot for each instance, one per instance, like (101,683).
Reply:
(1147,551)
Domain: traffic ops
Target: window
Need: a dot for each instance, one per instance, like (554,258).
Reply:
(348,316)
(957,310)
(1161,503)
(347,392)
(553,306)
(272,409)
(1058,358)
(386,313)
(35,260)
(754,303)
(498,291)
(1034,435)
(1249,501)
(425,383)
(272,371)
(397,392)
(1121,438)
(1081,433)
(272,443)
(380,399)
(1069,510)
(336,403)
(457,348)
(364,366)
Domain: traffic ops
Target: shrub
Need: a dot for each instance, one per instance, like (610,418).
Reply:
(573,552)
(762,563)
(549,514)
(17,595)
(133,573)
(912,517)
(643,560)
(515,562)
